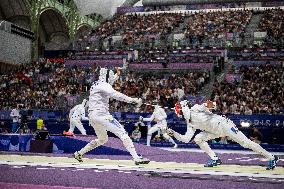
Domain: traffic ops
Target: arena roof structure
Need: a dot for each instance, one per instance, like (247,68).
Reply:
(54,22)
(15,11)
(106,8)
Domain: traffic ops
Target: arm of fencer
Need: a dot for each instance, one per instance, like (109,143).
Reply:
(203,108)
(83,114)
(149,118)
(190,131)
(164,114)
(117,95)
(116,77)
(186,138)
(186,113)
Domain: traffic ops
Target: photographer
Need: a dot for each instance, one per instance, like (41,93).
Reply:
(25,116)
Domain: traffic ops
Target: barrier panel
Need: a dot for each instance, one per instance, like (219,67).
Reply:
(262,120)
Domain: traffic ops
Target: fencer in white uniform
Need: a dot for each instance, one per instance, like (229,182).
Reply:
(214,126)
(102,121)
(160,117)
(77,113)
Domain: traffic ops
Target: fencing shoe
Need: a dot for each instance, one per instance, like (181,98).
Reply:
(68,133)
(272,163)
(141,160)
(212,163)
(78,156)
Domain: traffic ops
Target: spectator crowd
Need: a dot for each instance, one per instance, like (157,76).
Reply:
(272,23)
(40,84)
(139,27)
(260,91)
(216,25)
(49,85)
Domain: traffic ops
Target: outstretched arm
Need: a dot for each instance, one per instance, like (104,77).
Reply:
(83,115)
(187,136)
(163,114)
(149,118)
(117,95)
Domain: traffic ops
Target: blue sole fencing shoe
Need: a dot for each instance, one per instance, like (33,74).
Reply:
(272,163)
(212,163)
(78,156)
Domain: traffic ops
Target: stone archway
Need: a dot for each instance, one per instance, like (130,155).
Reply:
(53,30)
(15,11)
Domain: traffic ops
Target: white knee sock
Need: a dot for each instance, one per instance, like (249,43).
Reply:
(149,139)
(206,148)
(81,129)
(167,137)
(258,149)
(128,144)
(90,146)
(72,127)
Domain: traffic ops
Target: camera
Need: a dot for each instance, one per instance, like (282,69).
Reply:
(25,116)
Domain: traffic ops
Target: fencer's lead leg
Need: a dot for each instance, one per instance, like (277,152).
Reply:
(81,128)
(170,139)
(128,144)
(201,140)
(116,128)
(72,126)
(150,132)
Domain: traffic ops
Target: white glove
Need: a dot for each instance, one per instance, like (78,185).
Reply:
(137,101)
(140,118)
(184,103)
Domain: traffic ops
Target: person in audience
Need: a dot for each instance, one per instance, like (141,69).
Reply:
(40,124)
(256,135)
(3,128)
(16,118)
(136,134)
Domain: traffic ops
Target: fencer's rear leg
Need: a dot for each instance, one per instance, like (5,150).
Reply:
(240,138)
(102,139)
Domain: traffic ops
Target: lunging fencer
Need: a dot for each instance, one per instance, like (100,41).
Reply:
(159,115)
(214,126)
(102,121)
(76,114)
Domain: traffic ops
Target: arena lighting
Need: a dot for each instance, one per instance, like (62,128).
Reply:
(245,124)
